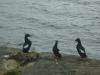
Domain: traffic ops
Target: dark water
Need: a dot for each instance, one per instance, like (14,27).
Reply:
(49,20)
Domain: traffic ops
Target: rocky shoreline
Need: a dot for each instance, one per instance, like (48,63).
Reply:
(45,64)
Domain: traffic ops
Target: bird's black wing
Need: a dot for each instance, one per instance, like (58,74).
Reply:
(83,49)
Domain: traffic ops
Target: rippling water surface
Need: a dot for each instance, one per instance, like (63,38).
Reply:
(50,20)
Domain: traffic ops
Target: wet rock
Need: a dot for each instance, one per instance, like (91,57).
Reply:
(25,58)
(13,72)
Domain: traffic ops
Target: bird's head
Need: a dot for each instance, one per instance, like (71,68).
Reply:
(27,35)
(78,40)
(56,41)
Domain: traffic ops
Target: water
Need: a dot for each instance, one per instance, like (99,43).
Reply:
(50,20)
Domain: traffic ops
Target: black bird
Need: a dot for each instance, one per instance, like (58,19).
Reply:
(27,43)
(56,51)
(80,48)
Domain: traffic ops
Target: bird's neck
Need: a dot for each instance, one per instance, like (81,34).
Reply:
(55,45)
(26,39)
(79,43)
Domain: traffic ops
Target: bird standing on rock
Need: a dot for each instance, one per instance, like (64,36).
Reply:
(80,48)
(27,44)
(56,52)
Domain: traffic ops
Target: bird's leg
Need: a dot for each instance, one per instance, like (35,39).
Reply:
(56,60)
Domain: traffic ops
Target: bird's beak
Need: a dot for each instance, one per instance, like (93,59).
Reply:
(30,35)
(76,41)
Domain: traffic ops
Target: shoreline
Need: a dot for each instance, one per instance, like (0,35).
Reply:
(8,50)
(45,65)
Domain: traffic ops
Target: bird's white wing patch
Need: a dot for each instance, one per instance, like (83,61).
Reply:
(26,46)
(82,51)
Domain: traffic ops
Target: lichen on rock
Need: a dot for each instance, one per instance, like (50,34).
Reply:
(13,72)
(25,58)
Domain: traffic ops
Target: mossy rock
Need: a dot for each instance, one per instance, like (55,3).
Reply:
(13,72)
(20,56)
(25,58)
(10,64)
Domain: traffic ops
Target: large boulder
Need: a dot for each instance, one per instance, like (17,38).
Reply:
(25,58)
